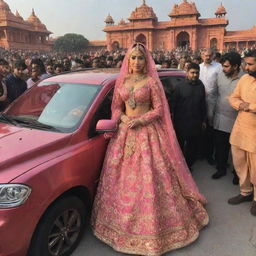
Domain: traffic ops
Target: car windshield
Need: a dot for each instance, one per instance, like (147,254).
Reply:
(52,106)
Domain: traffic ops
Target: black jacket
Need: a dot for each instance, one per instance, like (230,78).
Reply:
(188,108)
(15,87)
(2,103)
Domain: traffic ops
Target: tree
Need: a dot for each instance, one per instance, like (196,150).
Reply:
(71,43)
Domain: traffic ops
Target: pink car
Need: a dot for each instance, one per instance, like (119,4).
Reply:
(51,152)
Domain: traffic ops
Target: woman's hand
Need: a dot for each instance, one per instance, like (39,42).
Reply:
(125,119)
(134,123)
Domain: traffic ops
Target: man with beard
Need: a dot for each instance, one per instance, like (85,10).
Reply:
(243,135)
(188,108)
(224,114)
(67,64)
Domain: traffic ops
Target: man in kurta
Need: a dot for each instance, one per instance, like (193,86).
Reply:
(243,136)
(224,115)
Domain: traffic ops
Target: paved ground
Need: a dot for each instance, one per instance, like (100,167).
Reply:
(231,232)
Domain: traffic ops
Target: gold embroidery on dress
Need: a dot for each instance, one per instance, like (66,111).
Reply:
(130,145)
(154,244)
(131,101)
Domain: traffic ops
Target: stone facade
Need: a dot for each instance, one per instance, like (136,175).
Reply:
(17,33)
(184,29)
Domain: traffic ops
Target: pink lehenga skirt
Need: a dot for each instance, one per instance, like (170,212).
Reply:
(139,206)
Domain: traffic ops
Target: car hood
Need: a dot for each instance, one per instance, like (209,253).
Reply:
(24,148)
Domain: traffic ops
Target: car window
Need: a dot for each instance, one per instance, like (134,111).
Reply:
(60,105)
(103,112)
(169,84)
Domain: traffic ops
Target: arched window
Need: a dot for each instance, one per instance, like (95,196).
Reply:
(115,45)
(141,39)
(183,40)
(214,43)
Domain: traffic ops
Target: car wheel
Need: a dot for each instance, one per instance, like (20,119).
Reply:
(60,229)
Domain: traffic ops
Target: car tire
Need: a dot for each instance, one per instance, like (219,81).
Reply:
(60,229)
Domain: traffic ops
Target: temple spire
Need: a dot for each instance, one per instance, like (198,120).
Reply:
(144,2)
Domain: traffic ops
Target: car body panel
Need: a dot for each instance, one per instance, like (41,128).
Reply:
(27,145)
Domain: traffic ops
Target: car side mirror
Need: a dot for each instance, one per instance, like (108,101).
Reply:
(106,125)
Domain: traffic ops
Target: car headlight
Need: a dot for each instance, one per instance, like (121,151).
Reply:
(13,195)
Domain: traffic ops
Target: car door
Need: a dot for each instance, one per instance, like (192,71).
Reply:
(169,84)
(97,141)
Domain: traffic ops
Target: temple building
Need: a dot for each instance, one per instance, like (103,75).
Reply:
(184,29)
(17,33)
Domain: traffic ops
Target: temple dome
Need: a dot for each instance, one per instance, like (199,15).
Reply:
(35,21)
(184,9)
(109,20)
(221,10)
(143,12)
(122,22)
(4,5)
(33,18)
(17,14)
(6,14)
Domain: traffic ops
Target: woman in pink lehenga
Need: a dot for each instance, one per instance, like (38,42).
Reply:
(147,202)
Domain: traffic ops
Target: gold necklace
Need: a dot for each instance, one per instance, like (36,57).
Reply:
(135,79)
(138,78)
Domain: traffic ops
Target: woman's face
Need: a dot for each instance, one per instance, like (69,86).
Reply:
(137,61)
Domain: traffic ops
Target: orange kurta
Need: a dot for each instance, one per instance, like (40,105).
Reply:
(243,134)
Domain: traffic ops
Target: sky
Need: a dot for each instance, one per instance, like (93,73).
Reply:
(87,17)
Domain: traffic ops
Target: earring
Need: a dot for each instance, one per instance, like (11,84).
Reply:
(145,70)
(130,71)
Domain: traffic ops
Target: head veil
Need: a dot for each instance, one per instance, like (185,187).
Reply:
(188,186)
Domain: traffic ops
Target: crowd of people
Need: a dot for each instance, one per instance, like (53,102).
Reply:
(212,111)
(102,58)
